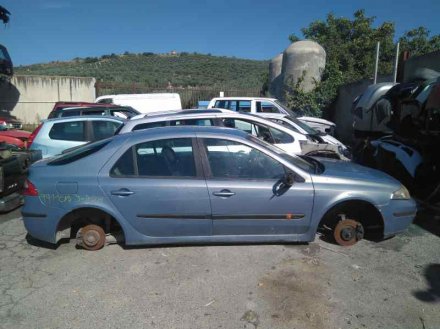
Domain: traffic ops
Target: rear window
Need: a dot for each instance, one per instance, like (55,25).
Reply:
(78,153)
(68,131)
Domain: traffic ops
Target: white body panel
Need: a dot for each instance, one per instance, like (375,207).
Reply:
(145,103)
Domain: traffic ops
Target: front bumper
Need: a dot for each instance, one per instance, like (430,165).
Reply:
(398,215)
(10,202)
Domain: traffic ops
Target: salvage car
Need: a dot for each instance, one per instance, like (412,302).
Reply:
(203,185)
(257,105)
(304,128)
(286,138)
(53,136)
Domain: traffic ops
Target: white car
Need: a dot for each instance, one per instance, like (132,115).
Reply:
(303,128)
(285,138)
(256,105)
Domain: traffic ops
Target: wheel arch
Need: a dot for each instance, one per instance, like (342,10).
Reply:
(76,215)
(358,209)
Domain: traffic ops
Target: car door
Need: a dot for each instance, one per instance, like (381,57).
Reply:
(159,188)
(247,194)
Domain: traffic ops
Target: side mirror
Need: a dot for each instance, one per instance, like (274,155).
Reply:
(289,179)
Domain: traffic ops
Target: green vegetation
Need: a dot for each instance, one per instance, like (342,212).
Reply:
(350,45)
(160,70)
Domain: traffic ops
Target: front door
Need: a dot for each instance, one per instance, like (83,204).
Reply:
(159,189)
(247,195)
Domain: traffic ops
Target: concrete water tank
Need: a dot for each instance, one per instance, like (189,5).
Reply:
(275,78)
(303,59)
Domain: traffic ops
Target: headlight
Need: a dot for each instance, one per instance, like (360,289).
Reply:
(401,194)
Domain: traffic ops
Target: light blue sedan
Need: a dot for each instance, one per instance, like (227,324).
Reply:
(205,185)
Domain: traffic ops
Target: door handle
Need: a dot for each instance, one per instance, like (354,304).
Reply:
(122,192)
(224,193)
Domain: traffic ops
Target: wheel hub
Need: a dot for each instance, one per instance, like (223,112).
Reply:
(91,237)
(347,232)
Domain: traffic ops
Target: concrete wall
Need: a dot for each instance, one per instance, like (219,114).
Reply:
(31,98)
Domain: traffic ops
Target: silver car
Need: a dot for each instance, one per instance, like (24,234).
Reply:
(203,185)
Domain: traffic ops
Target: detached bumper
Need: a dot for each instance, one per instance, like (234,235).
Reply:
(398,215)
(10,202)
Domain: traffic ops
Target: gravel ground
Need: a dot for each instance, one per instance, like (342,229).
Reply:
(390,284)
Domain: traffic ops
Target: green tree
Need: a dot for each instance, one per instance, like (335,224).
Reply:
(418,41)
(350,46)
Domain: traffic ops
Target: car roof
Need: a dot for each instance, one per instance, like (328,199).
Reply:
(245,98)
(181,131)
(96,108)
(204,114)
(85,118)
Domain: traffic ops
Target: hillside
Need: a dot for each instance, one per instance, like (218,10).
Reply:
(156,70)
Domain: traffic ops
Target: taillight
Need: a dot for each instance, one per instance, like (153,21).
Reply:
(33,135)
(29,188)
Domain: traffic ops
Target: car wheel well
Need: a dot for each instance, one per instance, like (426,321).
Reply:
(74,220)
(362,211)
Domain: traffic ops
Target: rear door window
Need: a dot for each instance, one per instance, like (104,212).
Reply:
(192,122)
(161,158)
(104,129)
(69,131)
(149,125)
(72,113)
(266,107)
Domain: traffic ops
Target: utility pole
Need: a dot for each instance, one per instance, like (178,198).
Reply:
(396,63)
(377,62)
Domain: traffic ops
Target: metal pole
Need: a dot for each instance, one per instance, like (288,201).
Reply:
(377,62)
(396,62)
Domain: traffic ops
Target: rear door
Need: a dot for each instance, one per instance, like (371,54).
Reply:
(159,188)
(247,196)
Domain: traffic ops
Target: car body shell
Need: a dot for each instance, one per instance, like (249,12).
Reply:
(291,148)
(182,210)
(300,143)
(50,146)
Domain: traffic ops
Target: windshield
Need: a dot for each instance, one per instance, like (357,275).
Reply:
(78,153)
(303,164)
(285,108)
(309,130)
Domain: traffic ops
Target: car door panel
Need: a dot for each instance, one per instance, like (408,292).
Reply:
(256,201)
(157,200)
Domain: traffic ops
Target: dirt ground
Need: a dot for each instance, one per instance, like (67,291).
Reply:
(390,284)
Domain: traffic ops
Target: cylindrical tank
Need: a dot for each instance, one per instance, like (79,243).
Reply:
(275,78)
(275,66)
(303,60)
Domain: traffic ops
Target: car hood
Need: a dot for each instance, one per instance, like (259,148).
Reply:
(317,120)
(352,172)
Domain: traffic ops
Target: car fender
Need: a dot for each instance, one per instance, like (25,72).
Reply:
(128,230)
(321,208)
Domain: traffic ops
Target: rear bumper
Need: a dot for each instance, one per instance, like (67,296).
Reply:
(37,221)
(398,215)
(10,202)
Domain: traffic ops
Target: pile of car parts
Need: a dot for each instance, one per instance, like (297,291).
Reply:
(14,166)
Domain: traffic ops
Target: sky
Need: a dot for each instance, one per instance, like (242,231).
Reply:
(57,30)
